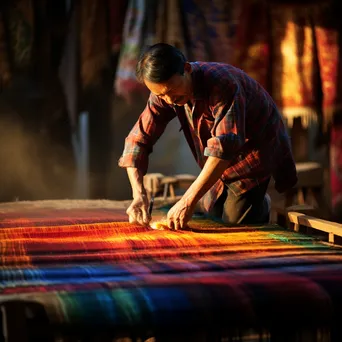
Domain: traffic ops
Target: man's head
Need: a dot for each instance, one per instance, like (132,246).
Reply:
(166,73)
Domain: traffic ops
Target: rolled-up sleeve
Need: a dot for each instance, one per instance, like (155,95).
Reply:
(145,133)
(229,128)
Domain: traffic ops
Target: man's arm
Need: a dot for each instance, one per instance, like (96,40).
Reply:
(222,151)
(138,145)
(181,213)
(138,210)
(145,133)
(211,172)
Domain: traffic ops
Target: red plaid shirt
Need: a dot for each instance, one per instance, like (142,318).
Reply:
(232,118)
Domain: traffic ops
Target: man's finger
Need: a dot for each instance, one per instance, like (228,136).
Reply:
(177,225)
(139,217)
(145,217)
(132,219)
(170,223)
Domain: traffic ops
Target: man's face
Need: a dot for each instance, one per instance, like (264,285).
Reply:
(176,91)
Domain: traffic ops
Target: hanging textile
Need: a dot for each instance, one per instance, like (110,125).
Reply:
(251,47)
(139,32)
(306,62)
(5,71)
(211,29)
(169,25)
(94,42)
(20,21)
(294,66)
(336,170)
(117,11)
(327,30)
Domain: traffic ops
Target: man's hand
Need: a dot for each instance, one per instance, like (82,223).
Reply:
(138,211)
(180,214)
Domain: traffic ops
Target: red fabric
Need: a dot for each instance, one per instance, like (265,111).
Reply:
(336,170)
(117,14)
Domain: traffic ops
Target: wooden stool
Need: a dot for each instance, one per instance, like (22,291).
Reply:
(308,191)
(185,180)
(310,184)
(155,183)
(169,184)
(152,183)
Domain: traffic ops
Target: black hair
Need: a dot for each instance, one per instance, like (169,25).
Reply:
(159,63)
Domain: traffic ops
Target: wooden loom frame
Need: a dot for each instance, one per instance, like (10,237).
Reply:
(333,229)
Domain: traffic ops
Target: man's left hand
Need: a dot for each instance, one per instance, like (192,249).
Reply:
(180,214)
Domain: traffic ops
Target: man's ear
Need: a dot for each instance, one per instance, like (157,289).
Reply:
(187,67)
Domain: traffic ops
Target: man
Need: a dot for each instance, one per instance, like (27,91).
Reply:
(232,126)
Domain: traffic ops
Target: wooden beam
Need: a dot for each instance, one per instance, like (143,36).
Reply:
(332,228)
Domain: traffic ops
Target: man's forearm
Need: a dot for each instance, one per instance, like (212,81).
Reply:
(136,179)
(211,172)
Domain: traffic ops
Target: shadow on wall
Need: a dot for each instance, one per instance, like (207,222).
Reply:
(170,155)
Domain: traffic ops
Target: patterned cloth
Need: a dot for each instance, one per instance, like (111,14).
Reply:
(234,119)
(335,155)
(169,26)
(210,28)
(139,31)
(117,11)
(251,44)
(89,268)
(21,20)
(17,23)
(94,46)
(306,61)
(5,71)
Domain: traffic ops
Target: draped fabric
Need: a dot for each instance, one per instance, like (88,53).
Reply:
(94,42)
(328,33)
(20,22)
(211,27)
(117,11)
(88,268)
(5,71)
(16,38)
(295,87)
(336,170)
(169,25)
(291,49)
(251,51)
(139,32)
(305,61)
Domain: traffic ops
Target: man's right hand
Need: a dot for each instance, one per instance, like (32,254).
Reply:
(138,210)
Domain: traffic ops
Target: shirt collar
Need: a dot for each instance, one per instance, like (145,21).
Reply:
(197,81)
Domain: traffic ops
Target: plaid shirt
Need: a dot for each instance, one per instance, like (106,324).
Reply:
(232,118)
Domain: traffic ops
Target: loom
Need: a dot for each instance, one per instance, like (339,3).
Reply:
(78,271)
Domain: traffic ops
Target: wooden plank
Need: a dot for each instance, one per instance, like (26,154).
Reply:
(332,228)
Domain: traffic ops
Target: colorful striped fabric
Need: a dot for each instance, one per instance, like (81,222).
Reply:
(88,267)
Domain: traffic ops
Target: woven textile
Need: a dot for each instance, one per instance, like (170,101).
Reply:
(87,266)
(139,32)
(306,61)
(210,27)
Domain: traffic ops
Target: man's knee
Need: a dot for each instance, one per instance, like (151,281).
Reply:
(256,213)
(233,215)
